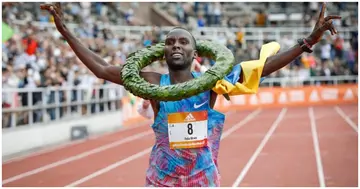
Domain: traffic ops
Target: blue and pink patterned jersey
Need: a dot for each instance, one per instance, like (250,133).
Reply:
(194,167)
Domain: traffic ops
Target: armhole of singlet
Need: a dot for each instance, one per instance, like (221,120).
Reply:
(163,79)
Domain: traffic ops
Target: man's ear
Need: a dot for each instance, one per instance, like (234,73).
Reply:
(195,54)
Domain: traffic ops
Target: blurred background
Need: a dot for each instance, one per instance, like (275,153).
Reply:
(44,83)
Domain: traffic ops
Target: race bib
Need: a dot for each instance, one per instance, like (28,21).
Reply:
(188,129)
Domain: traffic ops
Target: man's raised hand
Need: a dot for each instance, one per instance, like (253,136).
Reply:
(56,11)
(322,25)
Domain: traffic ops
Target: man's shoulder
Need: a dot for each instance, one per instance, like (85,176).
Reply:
(151,77)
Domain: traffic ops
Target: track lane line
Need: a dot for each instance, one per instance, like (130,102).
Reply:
(249,117)
(18,167)
(241,144)
(232,129)
(77,157)
(67,144)
(287,159)
(338,144)
(110,167)
(314,133)
(259,148)
(346,118)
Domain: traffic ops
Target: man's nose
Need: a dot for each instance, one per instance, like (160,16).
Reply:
(176,45)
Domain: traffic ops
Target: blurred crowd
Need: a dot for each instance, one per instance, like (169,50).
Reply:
(254,14)
(40,58)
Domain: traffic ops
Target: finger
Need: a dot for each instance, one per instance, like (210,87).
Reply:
(333,29)
(52,10)
(322,12)
(326,26)
(58,5)
(58,8)
(45,6)
(332,17)
(54,13)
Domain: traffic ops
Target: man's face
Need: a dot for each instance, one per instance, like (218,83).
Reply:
(179,49)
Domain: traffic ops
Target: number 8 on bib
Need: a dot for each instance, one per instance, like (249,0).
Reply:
(188,129)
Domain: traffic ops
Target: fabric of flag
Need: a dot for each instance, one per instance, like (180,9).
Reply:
(7,32)
(252,71)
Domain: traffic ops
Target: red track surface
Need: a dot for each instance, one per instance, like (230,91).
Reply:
(275,148)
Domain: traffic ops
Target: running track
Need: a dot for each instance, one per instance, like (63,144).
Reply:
(296,146)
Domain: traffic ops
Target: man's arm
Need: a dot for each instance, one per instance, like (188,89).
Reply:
(280,60)
(95,63)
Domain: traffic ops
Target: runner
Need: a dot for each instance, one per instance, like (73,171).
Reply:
(174,162)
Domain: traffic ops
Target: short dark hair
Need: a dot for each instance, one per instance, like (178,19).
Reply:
(181,28)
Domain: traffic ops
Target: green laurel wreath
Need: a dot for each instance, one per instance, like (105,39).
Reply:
(141,58)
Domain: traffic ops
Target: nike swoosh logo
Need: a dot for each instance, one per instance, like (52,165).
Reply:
(198,106)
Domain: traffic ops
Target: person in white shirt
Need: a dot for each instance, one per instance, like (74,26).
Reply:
(144,108)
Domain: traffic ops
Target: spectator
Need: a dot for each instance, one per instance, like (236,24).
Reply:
(314,6)
(308,61)
(325,51)
(217,13)
(208,11)
(44,17)
(200,21)
(30,44)
(286,42)
(349,55)
(261,19)
(147,39)
(338,46)
(144,108)
(180,13)
(240,38)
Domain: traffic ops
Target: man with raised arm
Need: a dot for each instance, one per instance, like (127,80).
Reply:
(193,164)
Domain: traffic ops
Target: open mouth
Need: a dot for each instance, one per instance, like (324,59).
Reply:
(176,55)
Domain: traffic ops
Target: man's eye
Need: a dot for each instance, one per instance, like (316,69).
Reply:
(184,42)
(169,42)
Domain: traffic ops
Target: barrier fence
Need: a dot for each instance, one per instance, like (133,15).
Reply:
(22,106)
(299,96)
(289,92)
(44,105)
